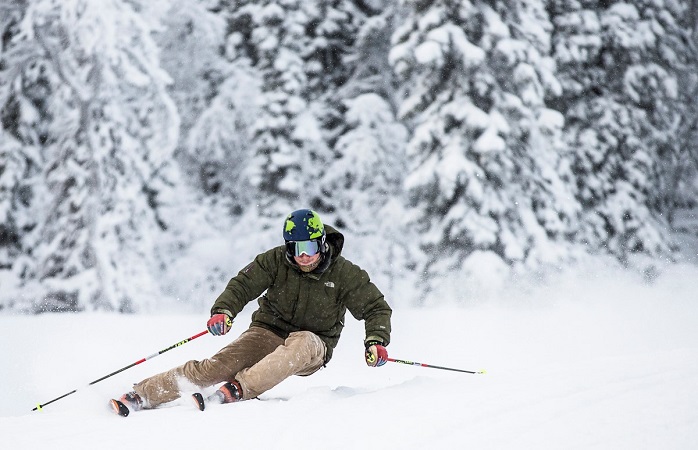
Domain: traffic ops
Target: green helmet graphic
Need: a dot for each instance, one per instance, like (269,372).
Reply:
(303,225)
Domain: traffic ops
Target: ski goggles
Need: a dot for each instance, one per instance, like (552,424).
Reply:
(297,248)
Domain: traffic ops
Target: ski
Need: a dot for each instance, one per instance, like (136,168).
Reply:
(217,398)
(119,408)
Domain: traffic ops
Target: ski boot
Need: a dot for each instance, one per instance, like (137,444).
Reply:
(127,402)
(228,393)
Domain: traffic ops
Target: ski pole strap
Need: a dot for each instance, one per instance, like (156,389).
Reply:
(412,363)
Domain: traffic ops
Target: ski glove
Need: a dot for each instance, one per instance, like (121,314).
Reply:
(376,354)
(219,324)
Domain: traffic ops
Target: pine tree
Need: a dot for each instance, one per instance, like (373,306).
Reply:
(24,86)
(370,166)
(486,172)
(298,49)
(109,135)
(363,186)
(367,140)
(285,135)
(220,142)
(15,196)
(216,99)
(678,49)
(617,62)
(192,52)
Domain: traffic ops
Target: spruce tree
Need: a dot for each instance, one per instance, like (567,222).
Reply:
(284,132)
(109,133)
(617,62)
(486,169)
(216,92)
(298,50)
(25,83)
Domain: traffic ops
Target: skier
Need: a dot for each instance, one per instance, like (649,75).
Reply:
(309,286)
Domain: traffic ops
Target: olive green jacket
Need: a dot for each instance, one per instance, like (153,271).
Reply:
(315,301)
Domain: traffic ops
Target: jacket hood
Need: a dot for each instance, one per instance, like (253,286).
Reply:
(335,240)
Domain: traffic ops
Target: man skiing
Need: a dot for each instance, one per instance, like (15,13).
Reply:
(306,286)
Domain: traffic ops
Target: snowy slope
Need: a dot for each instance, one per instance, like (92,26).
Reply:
(607,362)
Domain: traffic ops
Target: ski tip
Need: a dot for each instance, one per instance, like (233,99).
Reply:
(118,407)
(198,400)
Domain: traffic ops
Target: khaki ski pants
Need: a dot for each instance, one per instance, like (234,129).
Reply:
(258,360)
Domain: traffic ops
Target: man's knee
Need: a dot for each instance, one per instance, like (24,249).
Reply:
(306,343)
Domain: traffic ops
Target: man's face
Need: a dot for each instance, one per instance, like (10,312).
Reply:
(305,253)
(305,260)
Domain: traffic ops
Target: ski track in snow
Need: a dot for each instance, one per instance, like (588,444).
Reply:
(618,371)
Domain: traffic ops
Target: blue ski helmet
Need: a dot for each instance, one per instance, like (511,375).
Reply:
(303,225)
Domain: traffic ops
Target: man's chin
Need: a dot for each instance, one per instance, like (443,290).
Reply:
(309,267)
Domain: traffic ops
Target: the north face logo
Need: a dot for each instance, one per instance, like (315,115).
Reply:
(329,284)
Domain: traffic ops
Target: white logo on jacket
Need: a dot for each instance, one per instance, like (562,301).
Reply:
(329,284)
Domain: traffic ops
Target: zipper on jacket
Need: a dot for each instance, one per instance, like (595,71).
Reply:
(301,280)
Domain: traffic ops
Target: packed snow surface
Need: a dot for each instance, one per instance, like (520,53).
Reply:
(606,361)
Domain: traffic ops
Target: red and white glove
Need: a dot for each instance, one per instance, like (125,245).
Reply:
(219,324)
(376,355)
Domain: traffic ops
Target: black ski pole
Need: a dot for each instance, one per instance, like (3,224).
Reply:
(411,363)
(178,344)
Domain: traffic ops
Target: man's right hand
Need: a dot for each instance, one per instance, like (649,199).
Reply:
(219,324)
(376,355)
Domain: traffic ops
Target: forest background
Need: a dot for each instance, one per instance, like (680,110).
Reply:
(149,150)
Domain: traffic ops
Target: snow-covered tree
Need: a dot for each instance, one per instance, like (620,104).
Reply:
(15,222)
(24,86)
(298,49)
(111,129)
(284,135)
(455,140)
(215,98)
(682,45)
(192,46)
(349,71)
(486,172)
(617,64)
(220,142)
(334,25)
(368,57)
(671,109)
(362,189)
(370,165)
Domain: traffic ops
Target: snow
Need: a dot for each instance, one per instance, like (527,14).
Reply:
(427,52)
(595,359)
